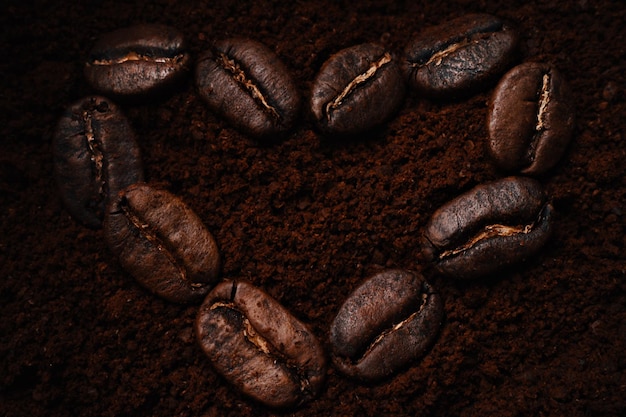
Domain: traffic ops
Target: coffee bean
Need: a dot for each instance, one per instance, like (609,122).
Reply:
(460,55)
(95,156)
(357,89)
(137,60)
(162,243)
(258,346)
(246,83)
(531,119)
(492,226)
(387,322)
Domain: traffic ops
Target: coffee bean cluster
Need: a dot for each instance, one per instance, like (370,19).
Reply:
(393,317)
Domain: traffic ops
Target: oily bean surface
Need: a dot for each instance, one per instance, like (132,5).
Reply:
(488,228)
(245,82)
(460,55)
(386,323)
(137,60)
(356,89)
(258,346)
(95,157)
(162,243)
(531,119)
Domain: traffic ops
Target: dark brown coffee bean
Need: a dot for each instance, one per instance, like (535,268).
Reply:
(460,55)
(137,60)
(489,227)
(258,346)
(357,89)
(245,82)
(162,243)
(95,156)
(387,322)
(531,119)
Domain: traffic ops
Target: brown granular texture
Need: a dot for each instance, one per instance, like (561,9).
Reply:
(307,218)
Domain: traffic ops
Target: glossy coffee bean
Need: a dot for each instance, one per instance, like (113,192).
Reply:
(389,321)
(357,89)
(246,83)
(137,60)
(492,226)
(162,243)
(258,346)
(460,55)
(531,119)
(95,156)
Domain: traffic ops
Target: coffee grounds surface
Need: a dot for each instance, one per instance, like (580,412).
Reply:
(308,218)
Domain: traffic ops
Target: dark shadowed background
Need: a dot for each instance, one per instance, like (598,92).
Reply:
(308,218)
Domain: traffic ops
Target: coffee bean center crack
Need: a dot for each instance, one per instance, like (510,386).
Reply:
(544,100)
(395,327)
(249,331)
(540,126)
(356,82)
(136,56)
(151,235)
(439,56)
(247,84)
(96,154)
(251,334)
(489,232)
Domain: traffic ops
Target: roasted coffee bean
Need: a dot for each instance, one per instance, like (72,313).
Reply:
(460,55)
(95,156)
(246,83)
(488,228)
(387,322)
(162,243)
(258,346)
(531,119)
(357,89)
(137,60)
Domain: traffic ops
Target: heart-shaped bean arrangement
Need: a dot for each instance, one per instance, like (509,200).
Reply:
(393,317)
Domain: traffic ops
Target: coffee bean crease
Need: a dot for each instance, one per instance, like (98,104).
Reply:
(360,79)
(142,228)
(246,83)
